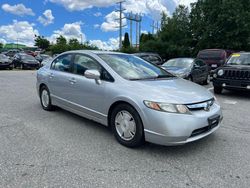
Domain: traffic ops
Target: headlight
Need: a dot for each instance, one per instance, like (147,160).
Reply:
(165,107)
(220,72)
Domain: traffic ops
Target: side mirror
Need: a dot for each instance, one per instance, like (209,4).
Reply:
(93,74)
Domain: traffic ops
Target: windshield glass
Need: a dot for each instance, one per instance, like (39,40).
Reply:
(133,68)
(181,63)
(27,57)
(239,59)
(211,54)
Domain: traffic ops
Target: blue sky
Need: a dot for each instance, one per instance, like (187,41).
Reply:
(94,20)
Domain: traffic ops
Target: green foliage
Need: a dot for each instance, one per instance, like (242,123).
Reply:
(221,24)
(73,44)
(126,42)
(1,45)
(41,42)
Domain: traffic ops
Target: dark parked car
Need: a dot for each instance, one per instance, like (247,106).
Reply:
(24,61)
(5,62)
(150,57)
(214,57)
(195,70)
(235,75)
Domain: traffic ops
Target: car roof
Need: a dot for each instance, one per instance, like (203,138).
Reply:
(182,58)
(146,53)
(93,52)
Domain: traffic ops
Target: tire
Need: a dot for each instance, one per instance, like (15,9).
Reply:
(218,90)
(207,81)
(123,117)
(45,99)
(190,78)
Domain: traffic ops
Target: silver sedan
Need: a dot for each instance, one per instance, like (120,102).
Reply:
(138,100)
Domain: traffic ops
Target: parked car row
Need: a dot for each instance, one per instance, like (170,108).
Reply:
(22,60)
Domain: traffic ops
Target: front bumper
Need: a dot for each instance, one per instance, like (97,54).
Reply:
(176,129)
(30,66)
(232,84)
(5,65)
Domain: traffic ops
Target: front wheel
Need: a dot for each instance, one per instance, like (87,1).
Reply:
(218,89)
(207,81)
(45,99)
(127,126)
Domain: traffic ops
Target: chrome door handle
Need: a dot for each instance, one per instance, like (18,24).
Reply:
(72,80)
(51,75)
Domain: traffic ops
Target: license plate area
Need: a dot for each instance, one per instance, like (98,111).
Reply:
(213,121)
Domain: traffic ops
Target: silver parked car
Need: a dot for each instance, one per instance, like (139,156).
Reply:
(138,100)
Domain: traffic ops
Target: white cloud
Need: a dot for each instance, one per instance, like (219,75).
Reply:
(111,22)
(69,31)
(18,9)
(98,14)
(111,44)
(47,18)
(22,31)
(96,26)
(2,41)
(77,5)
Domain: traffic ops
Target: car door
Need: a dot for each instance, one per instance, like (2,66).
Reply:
(86,94)
(196,72)
(59,79)
(203,69)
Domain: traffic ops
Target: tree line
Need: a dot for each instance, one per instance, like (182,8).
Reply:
(223,24)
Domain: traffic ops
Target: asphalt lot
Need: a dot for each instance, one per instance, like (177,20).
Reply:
(60,149)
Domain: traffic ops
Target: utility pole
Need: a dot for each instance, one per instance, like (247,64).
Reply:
(154,27)
(120,10)
(136,18)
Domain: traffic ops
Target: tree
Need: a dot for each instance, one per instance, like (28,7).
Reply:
(41,42)
(126,42)
(220,24)
(74,44)
(1,45)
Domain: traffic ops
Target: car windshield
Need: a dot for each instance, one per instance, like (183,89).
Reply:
(181,63)
(133,68)
(211,54)
(239,59)
(27,57)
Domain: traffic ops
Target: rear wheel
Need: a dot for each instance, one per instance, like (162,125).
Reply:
(127,126)
(218,89)
(45,99)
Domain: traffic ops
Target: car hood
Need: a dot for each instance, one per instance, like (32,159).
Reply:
(30,61)
(176,70)
(239,67)
(176,91)
(4,60)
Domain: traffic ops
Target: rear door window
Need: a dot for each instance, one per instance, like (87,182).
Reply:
(62,63)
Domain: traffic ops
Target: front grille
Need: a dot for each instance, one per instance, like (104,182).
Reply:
(237,74)
(206,105)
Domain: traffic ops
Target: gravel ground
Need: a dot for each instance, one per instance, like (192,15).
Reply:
(60,149)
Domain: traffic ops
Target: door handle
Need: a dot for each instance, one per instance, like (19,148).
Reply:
(51,75)
(72,80)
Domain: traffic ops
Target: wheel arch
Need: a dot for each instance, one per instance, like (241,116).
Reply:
(119,102)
